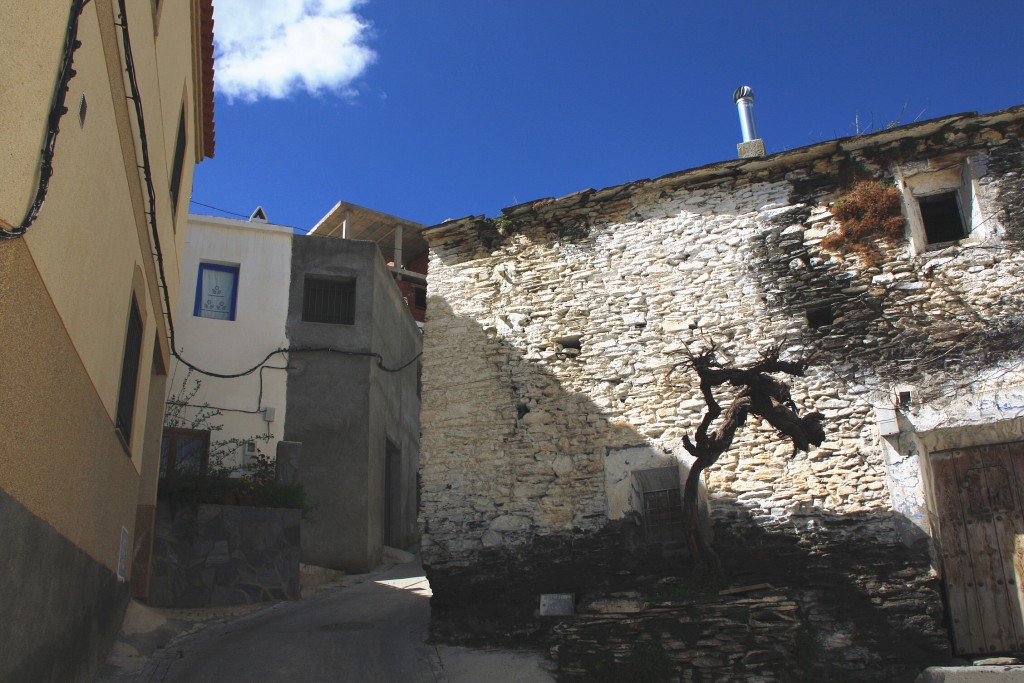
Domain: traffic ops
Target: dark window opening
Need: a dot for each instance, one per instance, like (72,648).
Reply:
(572,342)
(905,398)
(184,450)
(129,373)
(420,294)
(819,316)
(941,216)
(83,107)
(179,163)
(329,301)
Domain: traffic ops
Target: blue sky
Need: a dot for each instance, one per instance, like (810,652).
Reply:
(435,110)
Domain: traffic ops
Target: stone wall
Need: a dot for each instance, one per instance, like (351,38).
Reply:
(555,337)
(216,555)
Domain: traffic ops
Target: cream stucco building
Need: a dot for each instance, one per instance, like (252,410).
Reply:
(86,280)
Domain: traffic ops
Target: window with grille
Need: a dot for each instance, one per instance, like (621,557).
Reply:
(661,503)
(329,300)
(129,373)
(663,513)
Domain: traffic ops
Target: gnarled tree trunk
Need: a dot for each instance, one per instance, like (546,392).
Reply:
(759,394)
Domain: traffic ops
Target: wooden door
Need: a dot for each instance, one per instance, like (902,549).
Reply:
(980,514)
(392,522)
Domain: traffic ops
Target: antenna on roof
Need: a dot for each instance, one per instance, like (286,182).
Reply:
(259,215)
(752,146)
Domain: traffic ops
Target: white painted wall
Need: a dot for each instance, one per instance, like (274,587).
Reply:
(990,412)
(262,252)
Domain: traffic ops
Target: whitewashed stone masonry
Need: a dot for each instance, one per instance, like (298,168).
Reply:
(554,336)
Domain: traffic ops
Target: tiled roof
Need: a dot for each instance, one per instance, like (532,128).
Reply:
(205,89)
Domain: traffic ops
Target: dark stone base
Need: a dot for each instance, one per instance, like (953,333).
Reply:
(219,555)
(845,601)
(60,610)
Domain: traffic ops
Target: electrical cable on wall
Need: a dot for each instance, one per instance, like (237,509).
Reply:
(259,396)
(57,112)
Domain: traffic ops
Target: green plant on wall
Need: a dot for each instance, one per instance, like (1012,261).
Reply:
(176,416)
(503,224)
(868,213)
(254,483)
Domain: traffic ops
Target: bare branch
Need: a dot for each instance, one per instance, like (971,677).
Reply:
(760,394)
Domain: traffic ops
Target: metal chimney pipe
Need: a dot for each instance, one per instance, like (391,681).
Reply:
(744,99)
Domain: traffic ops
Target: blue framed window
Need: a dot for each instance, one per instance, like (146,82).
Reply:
(216,291)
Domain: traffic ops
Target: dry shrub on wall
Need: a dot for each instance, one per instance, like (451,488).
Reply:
(870,211)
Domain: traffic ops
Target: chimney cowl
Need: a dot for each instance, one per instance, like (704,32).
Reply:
(752,145)
(742,92)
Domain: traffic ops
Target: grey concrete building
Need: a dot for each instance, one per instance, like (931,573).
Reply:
(352,402)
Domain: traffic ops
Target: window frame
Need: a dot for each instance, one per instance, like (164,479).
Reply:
(957,175)
(175,434)
(234,269)
(131,360)
(178,163)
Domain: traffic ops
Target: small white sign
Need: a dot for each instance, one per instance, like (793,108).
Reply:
(122,560)
(557,604)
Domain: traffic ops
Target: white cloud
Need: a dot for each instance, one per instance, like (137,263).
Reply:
(273,48)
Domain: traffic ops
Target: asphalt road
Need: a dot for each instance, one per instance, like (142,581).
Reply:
(371,629)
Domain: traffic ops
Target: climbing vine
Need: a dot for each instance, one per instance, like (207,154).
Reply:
(869,212)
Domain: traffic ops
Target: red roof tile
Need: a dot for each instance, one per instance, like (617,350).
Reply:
(205,89)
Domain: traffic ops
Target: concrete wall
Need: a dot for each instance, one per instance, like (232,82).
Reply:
(519,426)
(395,409)
(262,253)
(343,408)
(71,483)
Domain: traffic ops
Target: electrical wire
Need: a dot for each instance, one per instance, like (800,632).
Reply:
(259,396)
(217,208)
(57,112)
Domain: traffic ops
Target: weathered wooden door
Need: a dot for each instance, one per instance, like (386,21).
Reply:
(979,498)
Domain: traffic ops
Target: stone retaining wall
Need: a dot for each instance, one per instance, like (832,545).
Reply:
(216,555)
